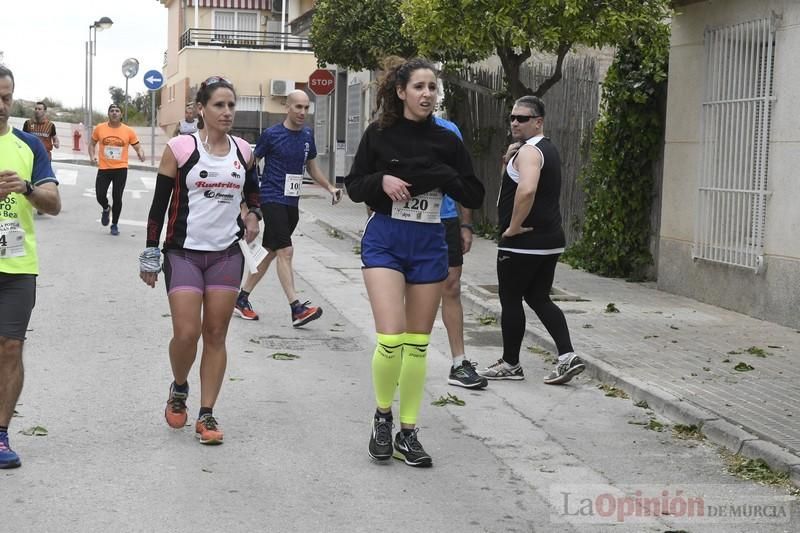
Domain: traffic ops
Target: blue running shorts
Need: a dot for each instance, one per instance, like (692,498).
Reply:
(416,249)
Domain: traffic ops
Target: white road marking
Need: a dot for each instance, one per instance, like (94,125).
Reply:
(136,194)
(149,183)
(66,176)
(126,222)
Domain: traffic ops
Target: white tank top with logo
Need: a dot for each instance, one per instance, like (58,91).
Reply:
(204,211)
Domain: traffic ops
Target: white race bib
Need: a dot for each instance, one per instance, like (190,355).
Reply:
(293,183)
(421,208)
(12,240)
(113,153)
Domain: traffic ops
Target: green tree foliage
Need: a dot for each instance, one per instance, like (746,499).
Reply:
(469,30)
(626,142)
(356,35)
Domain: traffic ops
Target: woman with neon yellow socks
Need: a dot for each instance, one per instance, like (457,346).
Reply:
(404,163)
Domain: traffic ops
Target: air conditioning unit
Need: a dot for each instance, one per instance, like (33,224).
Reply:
(280,87)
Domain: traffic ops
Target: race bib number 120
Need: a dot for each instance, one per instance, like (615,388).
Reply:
(420,208)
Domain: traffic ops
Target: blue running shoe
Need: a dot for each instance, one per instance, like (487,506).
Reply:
(104,216)
(114,229)
(8,458)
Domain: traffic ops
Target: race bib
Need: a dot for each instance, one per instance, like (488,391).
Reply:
(113,153)
(420,208)
(12,240)
(293,183)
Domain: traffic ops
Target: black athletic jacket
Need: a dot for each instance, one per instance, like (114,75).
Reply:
(423,154)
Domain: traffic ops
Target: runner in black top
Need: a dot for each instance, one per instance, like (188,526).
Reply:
(404,162)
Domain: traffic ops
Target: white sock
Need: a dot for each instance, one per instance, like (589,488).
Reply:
(459,360)
(565,356)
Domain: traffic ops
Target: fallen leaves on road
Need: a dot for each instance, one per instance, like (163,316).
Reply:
(284,356)
(611,308)
(35,431)
(613,392)
(487,320)
(449,399)
(743,367)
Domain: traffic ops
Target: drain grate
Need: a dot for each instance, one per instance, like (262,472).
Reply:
(333,344)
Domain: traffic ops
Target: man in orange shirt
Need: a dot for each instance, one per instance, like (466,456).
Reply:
(42,128)
(111,159)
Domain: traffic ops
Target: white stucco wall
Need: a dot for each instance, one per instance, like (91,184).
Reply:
(773,292)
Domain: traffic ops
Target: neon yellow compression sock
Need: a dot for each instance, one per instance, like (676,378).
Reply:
(386,363)
(412,375)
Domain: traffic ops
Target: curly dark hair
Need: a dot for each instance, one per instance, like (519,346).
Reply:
(397,73)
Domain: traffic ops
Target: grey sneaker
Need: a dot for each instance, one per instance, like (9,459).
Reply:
(501,370)
(565,370)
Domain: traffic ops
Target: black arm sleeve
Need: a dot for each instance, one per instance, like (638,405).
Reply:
(251,187)
(155,220)
(364,183)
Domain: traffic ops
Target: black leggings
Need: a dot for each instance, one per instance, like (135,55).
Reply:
(105,177)
(528,277)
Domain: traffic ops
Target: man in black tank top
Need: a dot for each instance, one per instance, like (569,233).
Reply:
(532,239)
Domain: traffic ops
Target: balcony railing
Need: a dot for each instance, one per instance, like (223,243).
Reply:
(244,39)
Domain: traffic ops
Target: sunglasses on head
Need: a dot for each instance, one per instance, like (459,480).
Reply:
(522,119)
(217,79)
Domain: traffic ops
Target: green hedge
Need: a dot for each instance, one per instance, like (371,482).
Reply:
(627,140)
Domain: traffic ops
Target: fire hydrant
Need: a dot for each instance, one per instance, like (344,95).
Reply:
(76,140)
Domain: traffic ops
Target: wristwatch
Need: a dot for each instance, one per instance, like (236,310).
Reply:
(28,189)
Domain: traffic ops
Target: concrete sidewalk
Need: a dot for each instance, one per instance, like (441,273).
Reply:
(689,361)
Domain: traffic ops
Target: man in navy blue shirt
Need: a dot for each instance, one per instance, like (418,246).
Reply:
(289,151)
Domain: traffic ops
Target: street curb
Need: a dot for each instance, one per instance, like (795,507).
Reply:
(716,429)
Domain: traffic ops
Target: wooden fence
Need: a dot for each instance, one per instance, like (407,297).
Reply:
(572,109)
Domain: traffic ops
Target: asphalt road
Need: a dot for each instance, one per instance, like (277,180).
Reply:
(520,456)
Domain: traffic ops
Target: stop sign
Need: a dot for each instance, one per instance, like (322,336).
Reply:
(321,82)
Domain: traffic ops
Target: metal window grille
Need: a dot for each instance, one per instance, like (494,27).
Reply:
(737,108)
(249,103)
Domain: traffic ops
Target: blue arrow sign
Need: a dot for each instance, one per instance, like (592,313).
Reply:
(153,80)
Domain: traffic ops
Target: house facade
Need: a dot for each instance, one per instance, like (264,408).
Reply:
(730,222)
(260,45)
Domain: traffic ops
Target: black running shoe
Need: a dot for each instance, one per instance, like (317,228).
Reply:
(409,449)
(380,442)
(465,376)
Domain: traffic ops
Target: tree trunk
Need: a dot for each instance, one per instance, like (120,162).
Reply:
(512,62)
(561,53)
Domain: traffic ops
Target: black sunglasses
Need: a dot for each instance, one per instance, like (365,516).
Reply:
(522,119)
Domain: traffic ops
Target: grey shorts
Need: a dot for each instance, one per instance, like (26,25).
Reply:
(17,298)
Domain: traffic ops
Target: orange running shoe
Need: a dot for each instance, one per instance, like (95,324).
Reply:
(207,431)
(302,314)
(175,413)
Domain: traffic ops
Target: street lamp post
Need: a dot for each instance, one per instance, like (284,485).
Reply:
(103,24)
